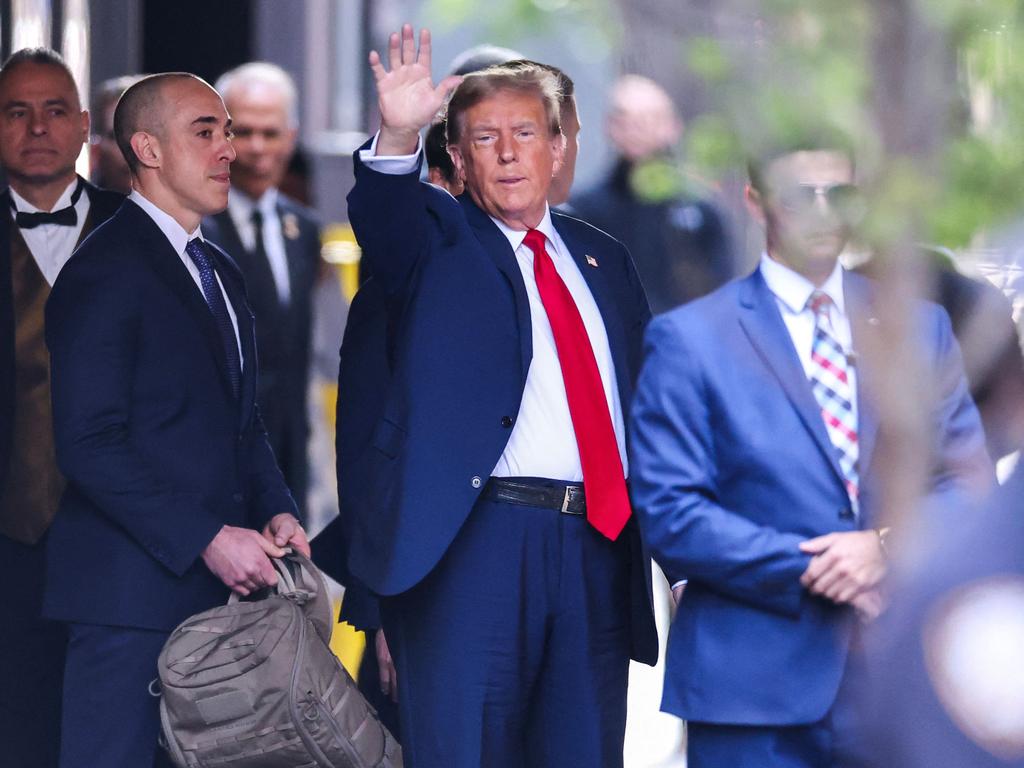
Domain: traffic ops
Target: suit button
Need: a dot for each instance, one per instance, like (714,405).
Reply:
(846,513)
(237,497)
(506,421)
(476,482)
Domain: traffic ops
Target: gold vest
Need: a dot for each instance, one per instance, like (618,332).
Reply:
(29,500)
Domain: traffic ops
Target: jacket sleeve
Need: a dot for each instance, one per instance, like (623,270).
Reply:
(390,220)
(961,466)
(91,327)
(690,534)
(268,493)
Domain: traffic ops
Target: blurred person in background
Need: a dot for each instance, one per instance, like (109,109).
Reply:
(983,324)
(276,243)
(754,480)
(106,163)
(44,213)
(946,660)
(679,240)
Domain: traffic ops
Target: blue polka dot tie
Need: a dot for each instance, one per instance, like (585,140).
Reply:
(215,300)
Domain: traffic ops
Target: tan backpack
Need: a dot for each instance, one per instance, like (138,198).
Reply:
(255,685)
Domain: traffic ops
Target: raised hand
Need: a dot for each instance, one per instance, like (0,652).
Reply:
(406,95)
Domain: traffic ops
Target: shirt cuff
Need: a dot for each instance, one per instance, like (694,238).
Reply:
(680,583)
(395,165)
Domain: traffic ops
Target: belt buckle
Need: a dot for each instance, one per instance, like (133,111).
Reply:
(567,498)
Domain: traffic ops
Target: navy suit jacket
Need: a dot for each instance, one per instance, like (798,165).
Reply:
(458,324)
(157,451)
(733,468)
(102,205)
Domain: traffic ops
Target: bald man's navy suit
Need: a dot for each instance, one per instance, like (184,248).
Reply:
(159,454)
(460,346)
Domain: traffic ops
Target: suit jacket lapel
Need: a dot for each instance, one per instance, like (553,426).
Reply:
(606,304)
(857,291)
(234,286)
(172,271)
(293,247)
(498,249)
(7,361)
(761,321)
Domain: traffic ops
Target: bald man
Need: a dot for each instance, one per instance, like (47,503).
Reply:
(173,497)
(678,238)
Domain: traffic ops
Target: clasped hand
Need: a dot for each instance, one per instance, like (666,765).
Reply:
(240,557)
(846,568)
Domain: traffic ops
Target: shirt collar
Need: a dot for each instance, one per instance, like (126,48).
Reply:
(516,236)
(24,206)
(241,205)
(794,290)
(172,230)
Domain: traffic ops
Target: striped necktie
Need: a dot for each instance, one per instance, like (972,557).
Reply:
(830,381)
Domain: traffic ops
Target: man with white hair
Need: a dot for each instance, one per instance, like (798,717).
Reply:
(276,242)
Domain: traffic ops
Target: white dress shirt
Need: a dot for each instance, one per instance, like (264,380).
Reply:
(543,441)
(240,208)
(179,238)
(51,245)
(792,291)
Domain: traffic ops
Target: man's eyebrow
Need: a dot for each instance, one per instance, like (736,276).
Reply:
(58,102)
(205,119)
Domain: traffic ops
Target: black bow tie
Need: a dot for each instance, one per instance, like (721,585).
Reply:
(65,217)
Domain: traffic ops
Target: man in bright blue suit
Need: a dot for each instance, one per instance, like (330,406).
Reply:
(173,494)
(753,477)
(493,516)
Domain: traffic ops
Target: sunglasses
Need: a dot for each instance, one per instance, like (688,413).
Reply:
(842,199)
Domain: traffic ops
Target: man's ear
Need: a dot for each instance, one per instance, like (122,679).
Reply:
(460,168)
(146,148)
(84,117)
(755,204)
(558,144)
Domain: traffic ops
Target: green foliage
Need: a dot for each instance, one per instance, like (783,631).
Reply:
(817,66)
(509,21)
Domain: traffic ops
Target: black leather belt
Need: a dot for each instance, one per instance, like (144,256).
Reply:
(567,497)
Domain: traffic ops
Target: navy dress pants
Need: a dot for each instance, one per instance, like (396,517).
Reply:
(514,651)
(111,720)
(31,662)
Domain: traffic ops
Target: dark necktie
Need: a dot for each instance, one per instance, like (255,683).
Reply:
(215,301)
(604,481)
(65,217)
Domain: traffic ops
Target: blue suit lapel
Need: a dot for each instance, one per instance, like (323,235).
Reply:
(606,304)
(497,247)
(857,290)
(761,321)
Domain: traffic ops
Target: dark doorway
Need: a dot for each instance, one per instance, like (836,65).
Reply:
(205,37)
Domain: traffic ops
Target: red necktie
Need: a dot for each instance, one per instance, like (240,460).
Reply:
(603,479)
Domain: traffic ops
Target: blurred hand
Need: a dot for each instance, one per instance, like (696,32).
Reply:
(844,565)
(677,594)
(285,531)
(869,605)
(240,557)
(386,667)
